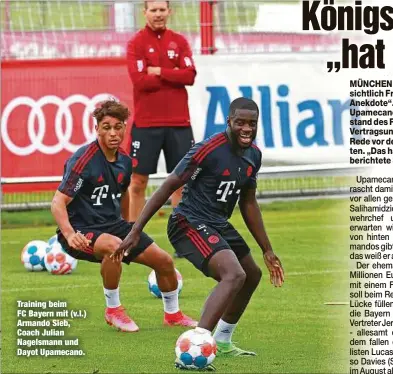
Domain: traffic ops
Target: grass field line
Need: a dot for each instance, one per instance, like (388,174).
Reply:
(72,286)
(244,231)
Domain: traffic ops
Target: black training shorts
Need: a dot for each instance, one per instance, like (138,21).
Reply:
(198,242)
(147,143)
(119,229)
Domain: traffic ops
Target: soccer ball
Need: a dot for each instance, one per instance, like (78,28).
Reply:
(195,350)
(153,286)
(33,254)
(58,262)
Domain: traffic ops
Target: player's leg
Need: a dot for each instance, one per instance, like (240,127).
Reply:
(146,146)
(228,322)
(225,268)
(162,263)
(178,141)
(102,246)
(253,276)
(149,254)
(207,251)
(115,314)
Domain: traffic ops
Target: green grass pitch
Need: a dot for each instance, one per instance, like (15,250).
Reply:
(290,328)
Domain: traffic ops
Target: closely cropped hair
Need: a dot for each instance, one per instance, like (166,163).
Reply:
(147,1)
(242,103)
(111,108)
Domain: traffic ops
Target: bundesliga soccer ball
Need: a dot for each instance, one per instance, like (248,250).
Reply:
(52,240)
(33,254)
(195,350)
(58,262)
(153,286)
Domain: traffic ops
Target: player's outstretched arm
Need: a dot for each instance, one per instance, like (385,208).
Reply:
(158,199)
(59,211)
(252,216)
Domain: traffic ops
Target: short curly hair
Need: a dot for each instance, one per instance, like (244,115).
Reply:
(242,103)
(112,108)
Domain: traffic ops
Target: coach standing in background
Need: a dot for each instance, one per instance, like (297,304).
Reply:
(160,65)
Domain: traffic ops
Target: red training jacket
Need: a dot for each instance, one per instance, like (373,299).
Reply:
(160,100)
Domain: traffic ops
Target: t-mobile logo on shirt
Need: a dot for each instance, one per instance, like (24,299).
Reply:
(225,189)
(100,193)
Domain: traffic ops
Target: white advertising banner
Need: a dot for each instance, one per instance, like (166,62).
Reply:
(305,112)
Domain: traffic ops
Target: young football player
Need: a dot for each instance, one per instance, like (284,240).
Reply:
(218,172)
(91,208)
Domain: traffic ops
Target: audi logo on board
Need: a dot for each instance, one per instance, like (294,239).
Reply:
(63,124)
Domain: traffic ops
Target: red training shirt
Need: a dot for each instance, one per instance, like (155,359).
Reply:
(160,100)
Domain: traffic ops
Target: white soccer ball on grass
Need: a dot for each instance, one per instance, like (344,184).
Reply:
(33,254)
(195,350)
